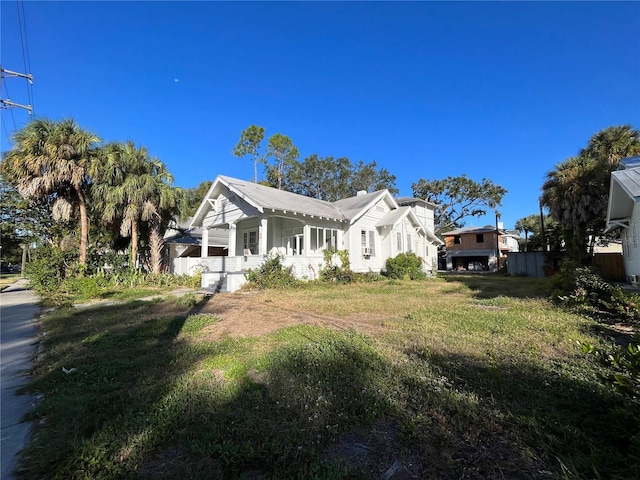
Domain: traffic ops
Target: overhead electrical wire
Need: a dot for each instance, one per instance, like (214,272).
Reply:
(22,23)
(6,133)
(6,89)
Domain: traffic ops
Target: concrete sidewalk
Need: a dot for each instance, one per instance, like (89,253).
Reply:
(18,334)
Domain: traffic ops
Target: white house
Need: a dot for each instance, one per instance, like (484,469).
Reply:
(623,212)
(260,220)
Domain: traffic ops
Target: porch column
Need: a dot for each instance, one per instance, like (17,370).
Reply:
(306,236)
(262,237)
(204,248)
(231,250)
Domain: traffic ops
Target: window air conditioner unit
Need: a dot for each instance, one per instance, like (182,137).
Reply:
(246,252)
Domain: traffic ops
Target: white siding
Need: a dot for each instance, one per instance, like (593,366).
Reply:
(226,211)
(375,262)
(631,244)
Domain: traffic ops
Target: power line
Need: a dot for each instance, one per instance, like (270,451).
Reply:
(24,43)
(7,90)
(6,132)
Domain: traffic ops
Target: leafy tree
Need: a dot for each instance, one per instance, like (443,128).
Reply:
(285,153)
(457,198)
(367,177)
(331,179)
(51,162)
(14,230)
(194,196)
(576,190)
(324,178)
(249,145)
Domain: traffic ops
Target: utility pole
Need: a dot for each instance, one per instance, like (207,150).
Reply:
(8,103)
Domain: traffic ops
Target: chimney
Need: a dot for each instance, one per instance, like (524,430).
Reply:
(361,192)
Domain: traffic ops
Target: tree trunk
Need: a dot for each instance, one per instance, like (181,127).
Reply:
(134,245)
(155,246)
(84,228)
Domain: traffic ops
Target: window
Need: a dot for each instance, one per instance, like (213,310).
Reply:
(368,242)
(323,239)
(504,240)
(457,240)
(408,242)
(399,241)
(293,240)
(250,241)
(480,238)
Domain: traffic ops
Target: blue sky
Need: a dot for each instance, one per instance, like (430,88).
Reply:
(427,89)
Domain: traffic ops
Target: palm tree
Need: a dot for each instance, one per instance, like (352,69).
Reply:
(161,205)
(572,192)
(528,225)
(52,161)
(133,188)
(612,144)
(576,191)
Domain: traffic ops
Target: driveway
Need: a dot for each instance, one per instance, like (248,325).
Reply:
(18,333)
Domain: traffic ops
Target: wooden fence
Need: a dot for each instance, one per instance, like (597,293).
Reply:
(610,266)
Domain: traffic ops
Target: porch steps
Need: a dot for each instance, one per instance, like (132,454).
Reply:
(218,286)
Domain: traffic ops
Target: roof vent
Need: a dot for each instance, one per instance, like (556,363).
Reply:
(361,192)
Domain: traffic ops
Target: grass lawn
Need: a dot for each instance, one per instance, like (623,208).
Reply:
(7,279)
(455,377)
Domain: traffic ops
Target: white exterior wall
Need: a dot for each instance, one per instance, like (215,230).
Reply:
(631,245)
(510,242)
(368,221)
(229,211)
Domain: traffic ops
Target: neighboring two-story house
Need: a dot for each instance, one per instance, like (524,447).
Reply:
(477,248)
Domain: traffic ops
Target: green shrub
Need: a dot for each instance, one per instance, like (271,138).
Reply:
(85,288)
(623,364)
(272,274)
(335,273)
(587,292)
(187,300)
(48,269)
(405,265)
(623,376)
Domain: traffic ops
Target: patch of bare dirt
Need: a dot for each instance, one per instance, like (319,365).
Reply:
(256,313)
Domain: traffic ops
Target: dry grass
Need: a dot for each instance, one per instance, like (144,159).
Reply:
(456,377)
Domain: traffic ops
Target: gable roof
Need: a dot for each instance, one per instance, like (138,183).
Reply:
(354,207)
(624,192)
(630,162)
(629,180)
(263,197)
(348,209)
(392,218)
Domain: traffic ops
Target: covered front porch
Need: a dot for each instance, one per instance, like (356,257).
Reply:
(301,245)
